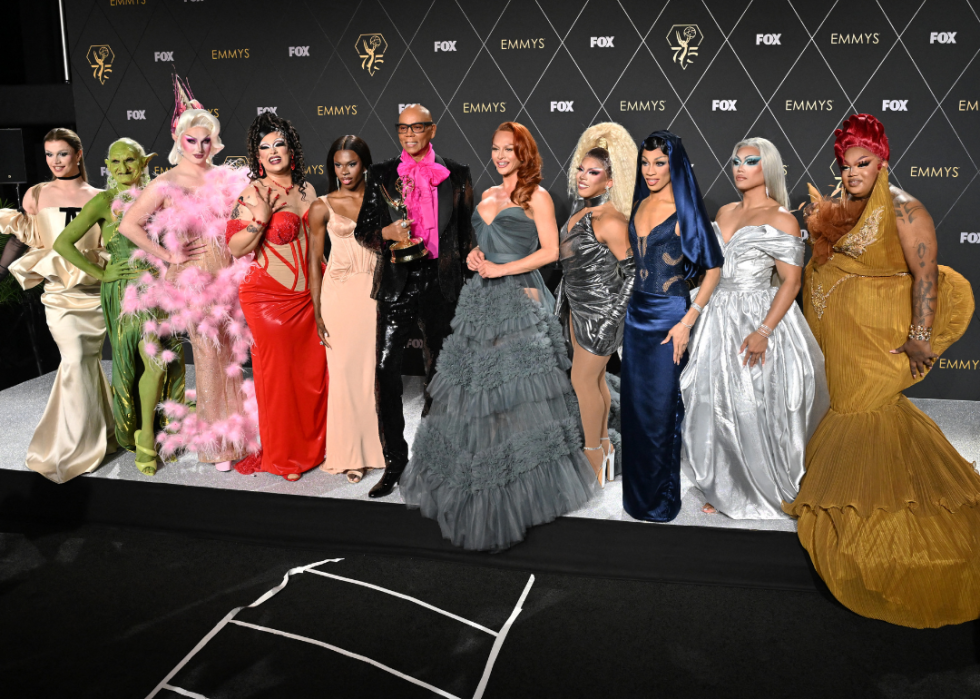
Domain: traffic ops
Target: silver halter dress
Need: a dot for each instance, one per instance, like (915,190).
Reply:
(594,291)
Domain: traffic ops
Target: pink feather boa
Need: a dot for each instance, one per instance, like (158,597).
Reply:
(197,301)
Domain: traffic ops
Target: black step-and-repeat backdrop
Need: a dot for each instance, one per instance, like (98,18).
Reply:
(713,71)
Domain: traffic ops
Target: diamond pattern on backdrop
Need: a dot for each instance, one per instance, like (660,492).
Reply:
(714,71)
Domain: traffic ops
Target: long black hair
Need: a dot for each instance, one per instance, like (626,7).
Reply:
(262,126)
(349,142)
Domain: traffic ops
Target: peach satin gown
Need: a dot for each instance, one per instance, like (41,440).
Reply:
(350,315)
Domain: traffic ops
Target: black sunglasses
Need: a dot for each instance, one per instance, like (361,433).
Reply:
(417,127)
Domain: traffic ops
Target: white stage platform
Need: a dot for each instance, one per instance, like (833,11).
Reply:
(21,407)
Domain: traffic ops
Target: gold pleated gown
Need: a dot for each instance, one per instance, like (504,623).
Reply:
(888,510)
(76,430)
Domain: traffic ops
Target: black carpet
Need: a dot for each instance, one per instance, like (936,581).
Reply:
(95,611)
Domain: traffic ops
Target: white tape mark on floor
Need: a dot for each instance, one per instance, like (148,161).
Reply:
(407,598)
(184,692)
(228,617)
(349,654)
(497,644)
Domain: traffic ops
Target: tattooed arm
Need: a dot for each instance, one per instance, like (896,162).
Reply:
(917,234)
(255,207)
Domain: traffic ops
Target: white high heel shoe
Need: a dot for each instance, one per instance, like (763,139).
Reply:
(601,476)
(609,460)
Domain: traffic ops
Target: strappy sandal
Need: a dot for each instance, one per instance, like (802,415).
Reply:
(355,475)
(146,459)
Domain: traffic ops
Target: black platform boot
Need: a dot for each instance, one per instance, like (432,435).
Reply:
(387,483)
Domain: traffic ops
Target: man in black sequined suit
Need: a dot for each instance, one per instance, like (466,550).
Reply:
(422,292)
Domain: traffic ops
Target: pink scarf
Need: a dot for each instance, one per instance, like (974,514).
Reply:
(423,201)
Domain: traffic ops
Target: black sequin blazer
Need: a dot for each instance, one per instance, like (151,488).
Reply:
(455,228)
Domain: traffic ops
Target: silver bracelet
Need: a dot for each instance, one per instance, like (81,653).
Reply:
(697,307)
(689,327)
(765,331)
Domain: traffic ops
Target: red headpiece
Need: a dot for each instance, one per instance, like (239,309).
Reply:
(183,100)
(861,131)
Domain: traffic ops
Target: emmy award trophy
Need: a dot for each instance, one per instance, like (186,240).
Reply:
(413,248)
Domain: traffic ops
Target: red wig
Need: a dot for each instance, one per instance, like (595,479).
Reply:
(529,172)
(861,131)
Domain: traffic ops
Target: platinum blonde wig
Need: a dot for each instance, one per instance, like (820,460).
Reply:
(620,162)
(191,119)
(772,167)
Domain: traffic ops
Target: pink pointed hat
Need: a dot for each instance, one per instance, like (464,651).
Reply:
(183,100)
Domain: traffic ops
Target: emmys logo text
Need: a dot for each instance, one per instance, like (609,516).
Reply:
(164,56)
(444,46)
(509,44)
(958,363)
(299,51)
(935,171)
(642,105)
(894,105)
(809,105)
(602,42)
(221,54)
(870,38)
(337,110)
(125,3)
(684,40)
(724,105)
(968,106)
(371,49)
(100,58)
(942,37)
(481,107)
(562,106)
(768,39)
(136,115)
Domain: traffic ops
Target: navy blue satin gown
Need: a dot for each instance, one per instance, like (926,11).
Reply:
(652,410)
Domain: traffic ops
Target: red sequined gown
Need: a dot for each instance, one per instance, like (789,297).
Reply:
(289,364)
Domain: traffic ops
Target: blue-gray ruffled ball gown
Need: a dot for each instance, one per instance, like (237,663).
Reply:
(501,448)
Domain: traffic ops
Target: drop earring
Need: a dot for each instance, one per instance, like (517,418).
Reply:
(261,170)
(767,191)
(292,164)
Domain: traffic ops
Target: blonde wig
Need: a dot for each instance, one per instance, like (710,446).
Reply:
(772,168)
(191,119)
(619,160)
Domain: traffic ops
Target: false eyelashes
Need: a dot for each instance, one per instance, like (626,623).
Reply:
(749,161)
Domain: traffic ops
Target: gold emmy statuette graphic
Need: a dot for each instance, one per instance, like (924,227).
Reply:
(371,48)
(413,248)
(236,161)
(100,58)
(684,40)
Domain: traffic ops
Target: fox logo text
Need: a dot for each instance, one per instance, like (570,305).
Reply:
(299,51)
(894,105)
(444,46)
(942,37)
(724,105)
(165,56)
(603,42)
(136,115)
(768,39)
(970,237)
(266,110)
(562,106)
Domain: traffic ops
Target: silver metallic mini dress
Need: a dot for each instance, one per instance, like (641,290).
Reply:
(594,291)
